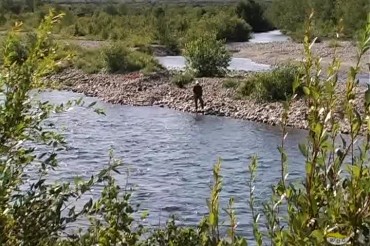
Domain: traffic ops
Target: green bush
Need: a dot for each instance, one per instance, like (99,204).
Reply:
(207,56)
(89,60)
(247,88)
(274,85)
(230,83)
(291,15)
(119,59)
(174,235)
(234,29)
(253,13)
(180,79)
(224,25)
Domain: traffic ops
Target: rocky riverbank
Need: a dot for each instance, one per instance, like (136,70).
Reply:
(278,52)
(157,90)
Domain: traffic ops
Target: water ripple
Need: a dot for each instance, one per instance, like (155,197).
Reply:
(170,156)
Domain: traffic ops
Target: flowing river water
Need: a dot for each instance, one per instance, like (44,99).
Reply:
(170,155)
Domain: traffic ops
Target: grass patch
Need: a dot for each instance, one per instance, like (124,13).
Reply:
(230,83)
(119,59)
(274,85)
(116,58)
(88,60)
(180,79)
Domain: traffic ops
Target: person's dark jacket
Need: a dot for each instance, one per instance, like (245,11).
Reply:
(198,91)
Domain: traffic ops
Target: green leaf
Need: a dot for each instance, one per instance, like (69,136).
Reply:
(356,171)
(211,219)
(303,148)
(91,104)
(296,84)
(318,235)
(144,215)
(306,90)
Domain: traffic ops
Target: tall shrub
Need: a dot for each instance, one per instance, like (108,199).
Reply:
(254,14)
(36,210)
(207,56)
(120,59)
(331,207)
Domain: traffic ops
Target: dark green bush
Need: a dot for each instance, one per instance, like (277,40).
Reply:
(274,85)
(234,30)
(116,59)
(207,56)
(254,14)
(180,79)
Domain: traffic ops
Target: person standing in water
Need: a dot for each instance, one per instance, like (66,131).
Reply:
(198,93)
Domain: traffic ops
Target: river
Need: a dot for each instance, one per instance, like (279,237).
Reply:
(170,155)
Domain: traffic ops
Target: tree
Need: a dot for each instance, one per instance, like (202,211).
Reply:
(254,15)
(207,55)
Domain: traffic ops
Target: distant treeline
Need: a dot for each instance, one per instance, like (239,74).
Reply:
(329,16)
(174,24)
(170,25)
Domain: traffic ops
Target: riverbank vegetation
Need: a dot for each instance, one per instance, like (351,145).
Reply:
(180,79)
(172,25)
(114,57)
(348,15)
(169,25)
(274,85)
(207,56)
(330,205)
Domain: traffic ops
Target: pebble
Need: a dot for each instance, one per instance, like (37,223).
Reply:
(123,89)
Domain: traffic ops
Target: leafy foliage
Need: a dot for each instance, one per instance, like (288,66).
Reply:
(274,85)
(180,79)
(331,204)
(88,60)
(290,16)
(254,14)
(230,83)
(118,58)
(37,211)
(207,56)
(138,26)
